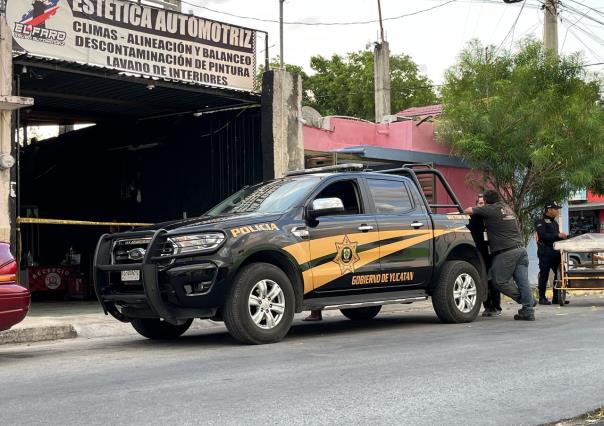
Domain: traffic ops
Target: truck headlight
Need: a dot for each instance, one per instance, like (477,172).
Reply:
(197,242)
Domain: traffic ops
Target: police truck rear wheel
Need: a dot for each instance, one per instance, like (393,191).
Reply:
(159,330)
(361,314)
(260,306)
(456,296)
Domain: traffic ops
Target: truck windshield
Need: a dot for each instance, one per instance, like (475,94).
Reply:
(275,196)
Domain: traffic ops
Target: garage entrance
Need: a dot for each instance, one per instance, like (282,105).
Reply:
(158,150)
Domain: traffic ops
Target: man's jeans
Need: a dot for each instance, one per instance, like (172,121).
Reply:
(513,263)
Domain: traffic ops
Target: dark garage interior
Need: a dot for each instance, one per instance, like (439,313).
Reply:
(166,151)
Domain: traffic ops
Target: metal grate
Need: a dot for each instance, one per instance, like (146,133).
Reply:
(122,248)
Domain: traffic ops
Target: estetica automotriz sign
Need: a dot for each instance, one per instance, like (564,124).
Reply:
(136,38)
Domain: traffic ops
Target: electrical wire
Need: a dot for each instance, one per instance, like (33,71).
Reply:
(591,35)
(583,27)
(582,13)
(513,27)
(588,7)
(566,33)
(273,21)
(589,49)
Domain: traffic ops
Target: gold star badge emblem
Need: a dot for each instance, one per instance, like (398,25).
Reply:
(347,255)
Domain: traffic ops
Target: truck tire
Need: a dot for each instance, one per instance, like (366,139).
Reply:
(159,330)
(260,306)
(361,314)
(456,298)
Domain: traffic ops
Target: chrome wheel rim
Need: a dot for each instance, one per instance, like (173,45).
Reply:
(464,293)
(266,304)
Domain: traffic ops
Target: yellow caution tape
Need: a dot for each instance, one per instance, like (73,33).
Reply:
(40,221)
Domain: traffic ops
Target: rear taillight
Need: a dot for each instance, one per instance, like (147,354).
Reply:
(8,273)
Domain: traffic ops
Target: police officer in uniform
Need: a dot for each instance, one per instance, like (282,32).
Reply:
(509,259)
(548,232)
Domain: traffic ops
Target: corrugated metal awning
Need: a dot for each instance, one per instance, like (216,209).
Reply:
(66,92)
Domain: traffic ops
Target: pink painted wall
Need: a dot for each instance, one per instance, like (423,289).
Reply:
(401,135)
(456,176)
(404,135)
(593,198)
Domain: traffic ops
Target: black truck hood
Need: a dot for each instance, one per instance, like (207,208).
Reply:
(215,222)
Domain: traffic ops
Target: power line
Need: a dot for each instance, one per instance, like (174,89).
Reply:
(582,13)
(273,21)
(589,7)
(584,29)
(566,33)
(513,27)
(591,35)
(585,44)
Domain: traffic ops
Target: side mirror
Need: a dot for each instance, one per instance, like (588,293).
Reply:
(326,206)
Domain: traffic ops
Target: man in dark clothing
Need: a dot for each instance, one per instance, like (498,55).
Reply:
(548,232)
(492,306)
(509,256)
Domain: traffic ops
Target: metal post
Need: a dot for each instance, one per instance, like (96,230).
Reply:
(381,24)
(266,57)
(281,32)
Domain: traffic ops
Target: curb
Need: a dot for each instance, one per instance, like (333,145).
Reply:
(37,334)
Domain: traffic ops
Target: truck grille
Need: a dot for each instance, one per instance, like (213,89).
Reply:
(133,250)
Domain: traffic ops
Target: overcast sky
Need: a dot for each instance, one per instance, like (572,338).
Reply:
(432,38)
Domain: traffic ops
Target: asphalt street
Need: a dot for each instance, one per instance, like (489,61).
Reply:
(404,367)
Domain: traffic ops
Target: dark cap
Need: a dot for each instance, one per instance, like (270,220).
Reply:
(552,205)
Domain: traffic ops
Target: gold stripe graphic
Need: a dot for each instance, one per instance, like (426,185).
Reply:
(330,271)
(323,274)
(308,251)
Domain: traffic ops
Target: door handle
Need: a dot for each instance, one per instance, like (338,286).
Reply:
(365,228)
(417,224)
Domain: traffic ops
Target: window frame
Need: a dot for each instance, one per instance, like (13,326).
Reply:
(363,207)
(404,182)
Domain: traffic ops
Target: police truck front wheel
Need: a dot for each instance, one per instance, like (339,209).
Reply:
(159,330)
(361,314)
(260,305)
(456,298)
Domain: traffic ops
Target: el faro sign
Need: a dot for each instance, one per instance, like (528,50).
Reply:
(136,38)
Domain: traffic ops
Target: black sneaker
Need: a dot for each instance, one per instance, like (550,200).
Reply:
(495,313)
(524,316)
(544,301)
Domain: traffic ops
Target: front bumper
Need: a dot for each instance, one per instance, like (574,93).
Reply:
(171,287)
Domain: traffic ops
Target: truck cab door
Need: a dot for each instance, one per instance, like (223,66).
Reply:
(405,232)
(343,243)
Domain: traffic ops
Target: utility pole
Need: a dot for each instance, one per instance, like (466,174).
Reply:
(550,25)
(381,74)
(281,34)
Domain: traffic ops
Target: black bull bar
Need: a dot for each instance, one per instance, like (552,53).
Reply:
(148,267)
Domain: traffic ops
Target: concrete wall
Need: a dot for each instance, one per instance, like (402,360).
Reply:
(282,144)
(5,130)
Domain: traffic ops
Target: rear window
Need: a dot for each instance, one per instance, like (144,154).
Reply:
(390,196)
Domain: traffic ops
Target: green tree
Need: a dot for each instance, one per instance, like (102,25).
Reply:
(527,120)
(344,85)
(275,63)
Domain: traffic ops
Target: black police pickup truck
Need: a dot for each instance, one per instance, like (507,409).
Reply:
(328,238)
